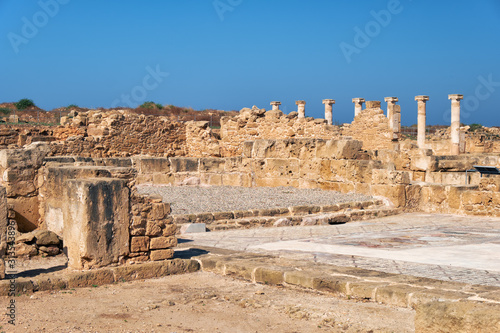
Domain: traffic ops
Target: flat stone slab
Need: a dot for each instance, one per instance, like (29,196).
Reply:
(443,247)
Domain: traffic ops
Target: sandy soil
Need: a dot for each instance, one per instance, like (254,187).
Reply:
(199,302)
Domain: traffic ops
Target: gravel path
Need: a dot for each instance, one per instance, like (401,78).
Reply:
(194,199)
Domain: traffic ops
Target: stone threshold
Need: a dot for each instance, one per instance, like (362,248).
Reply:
(97,277)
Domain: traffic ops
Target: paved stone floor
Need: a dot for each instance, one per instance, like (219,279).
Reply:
(443,247)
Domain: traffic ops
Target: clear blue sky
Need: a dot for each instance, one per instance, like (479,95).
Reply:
(229,54)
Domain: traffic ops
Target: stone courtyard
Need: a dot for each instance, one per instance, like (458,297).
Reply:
(353,211)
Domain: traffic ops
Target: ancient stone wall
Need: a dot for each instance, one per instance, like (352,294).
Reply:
(119,134)
(255,123)
(201,141)
(152,231)
(371,127)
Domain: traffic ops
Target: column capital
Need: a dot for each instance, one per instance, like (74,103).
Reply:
(421,98)
(456,97)
(300,102)
(391,99)
(329,101)
(358,100)
(275,103)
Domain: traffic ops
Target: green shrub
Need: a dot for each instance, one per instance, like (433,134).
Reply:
(71,106)
(5,111)
(159,106)
(475,127)
(148,105)
(24,104)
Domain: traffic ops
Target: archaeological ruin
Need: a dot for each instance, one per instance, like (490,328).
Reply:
(77,189)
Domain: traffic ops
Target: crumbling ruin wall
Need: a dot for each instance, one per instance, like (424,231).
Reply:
(119,134)
(19,169)
(255,123)
(371,127)
(201,141)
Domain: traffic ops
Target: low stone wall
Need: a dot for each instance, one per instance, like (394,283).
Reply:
(255,123)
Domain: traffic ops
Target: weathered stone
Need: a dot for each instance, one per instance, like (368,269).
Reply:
(162,243)
(49,250)
(193,228)
(161,254)
(154,228)
(46,237)
(96,221)
(25,238)
(139,244)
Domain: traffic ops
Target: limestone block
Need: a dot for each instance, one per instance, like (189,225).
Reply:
(161,254)
(490,183)
(383,176)
(232,179)
(160,243)
(434,195)
(273,182)
(372,104)
(212,164)
(169,230)
(161,178)
(96,222)
(395,193)
(184,164)
(278,167)
(338,149)
(146,164)
(3,222)
(154,228)
(463,316)
(360,170)
(423,163)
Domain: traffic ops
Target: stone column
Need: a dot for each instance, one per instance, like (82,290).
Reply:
(422,100)
(391,101)
(301,108)
(358,105)
(276,106)
(455,123)
(329,110)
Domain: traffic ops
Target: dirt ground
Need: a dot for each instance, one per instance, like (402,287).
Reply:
(199,302)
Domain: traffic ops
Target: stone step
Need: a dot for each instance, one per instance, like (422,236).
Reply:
(347,215)
(284,211)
